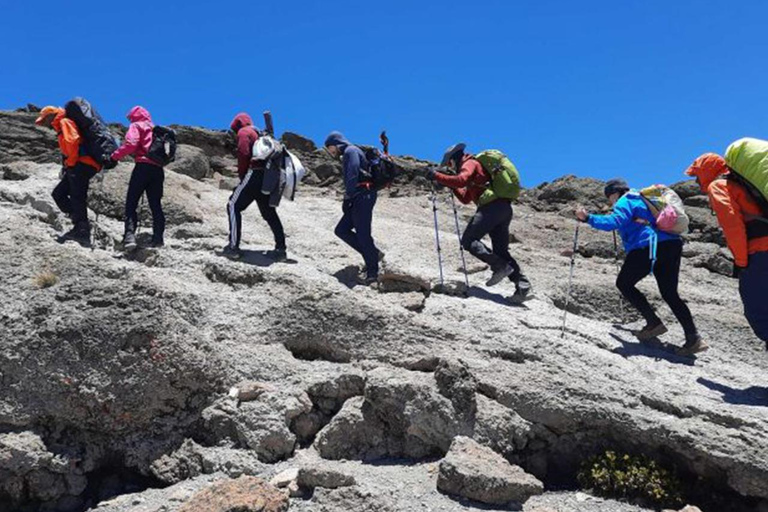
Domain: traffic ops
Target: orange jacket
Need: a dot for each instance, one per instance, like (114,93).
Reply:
(69,138)
(733,205)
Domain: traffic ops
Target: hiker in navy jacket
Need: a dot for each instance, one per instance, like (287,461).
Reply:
(354,228)
(637,227)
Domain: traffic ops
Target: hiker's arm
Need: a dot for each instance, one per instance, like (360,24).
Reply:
(351,163)
(69,142)
(129,144)
(621,216)
(462,179)
(731,219)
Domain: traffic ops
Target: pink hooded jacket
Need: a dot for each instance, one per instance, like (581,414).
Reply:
(139,137)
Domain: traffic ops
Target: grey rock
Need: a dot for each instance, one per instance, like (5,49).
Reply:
(191,161)
(473,471)
(316,476)
(294,141)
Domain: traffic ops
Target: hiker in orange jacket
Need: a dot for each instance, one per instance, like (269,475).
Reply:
(746,232)
(71,194)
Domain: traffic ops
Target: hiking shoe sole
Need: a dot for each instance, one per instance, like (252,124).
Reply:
(652,333)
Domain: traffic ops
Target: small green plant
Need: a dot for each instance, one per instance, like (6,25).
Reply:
(636,478)
(45,279)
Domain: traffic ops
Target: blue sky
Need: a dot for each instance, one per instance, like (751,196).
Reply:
(621,88)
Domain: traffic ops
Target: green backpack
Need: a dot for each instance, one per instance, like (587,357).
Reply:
(748,158)
(505,180)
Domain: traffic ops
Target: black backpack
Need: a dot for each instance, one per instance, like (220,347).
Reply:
(381,171)
(99,143)
(162,151)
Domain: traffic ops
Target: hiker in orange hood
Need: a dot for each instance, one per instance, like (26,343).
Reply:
(746,232)
(71,194)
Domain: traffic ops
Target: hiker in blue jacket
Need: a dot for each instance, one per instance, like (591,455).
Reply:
(354,228)
(647,250)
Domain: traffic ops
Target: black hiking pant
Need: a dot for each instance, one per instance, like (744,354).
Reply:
(355,229)
(637,265)
(71,194)
(492,219)
(248,191)
(146,178)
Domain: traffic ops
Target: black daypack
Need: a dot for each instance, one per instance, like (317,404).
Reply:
(381,171)
(99,142)
(162,151)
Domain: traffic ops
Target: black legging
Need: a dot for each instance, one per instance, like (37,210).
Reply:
(493,220)
(146,178)
(667,273)
(71,194)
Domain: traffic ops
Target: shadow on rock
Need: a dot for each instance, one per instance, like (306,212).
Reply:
(753,395)
(481,293)
(348,276)
(654,349)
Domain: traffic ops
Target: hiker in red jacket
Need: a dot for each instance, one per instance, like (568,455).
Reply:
(468,184)
(248,191)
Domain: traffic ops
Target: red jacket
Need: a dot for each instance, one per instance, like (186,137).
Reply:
(469,184)
(247,135)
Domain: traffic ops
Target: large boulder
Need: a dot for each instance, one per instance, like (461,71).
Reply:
(191,161)
(214,143)
(181,197)
(567,191)
(472,471)
(296,142)
(262,424)
(23,140)
(246,494)
(29,472)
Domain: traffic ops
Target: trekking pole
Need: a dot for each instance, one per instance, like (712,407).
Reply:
(461,247)
(570,277)
(437,237)
(618,270)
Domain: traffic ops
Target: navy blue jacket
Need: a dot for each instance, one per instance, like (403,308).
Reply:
(353,162)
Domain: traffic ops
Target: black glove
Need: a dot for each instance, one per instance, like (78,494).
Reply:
(737,271)
(109,163)
(430,174)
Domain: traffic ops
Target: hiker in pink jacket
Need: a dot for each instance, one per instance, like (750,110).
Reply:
(147,176)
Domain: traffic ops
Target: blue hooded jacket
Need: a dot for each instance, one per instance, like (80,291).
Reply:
(353,161)
(634,235)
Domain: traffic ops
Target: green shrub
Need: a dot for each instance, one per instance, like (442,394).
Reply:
(632,478)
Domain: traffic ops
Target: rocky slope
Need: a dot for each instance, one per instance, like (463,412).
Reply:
(118,372)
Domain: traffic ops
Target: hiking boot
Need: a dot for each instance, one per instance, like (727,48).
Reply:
(368,280)
(77,234)
(694,347)
(500,274)
(232,253)
(129,241)
(522,291)
(650,331)
(381,256)
(157,242)
(279,254)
